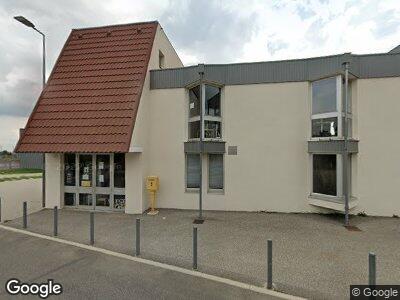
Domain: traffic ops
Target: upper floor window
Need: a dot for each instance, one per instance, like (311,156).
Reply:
(328,108)
(209,99)
(161,60)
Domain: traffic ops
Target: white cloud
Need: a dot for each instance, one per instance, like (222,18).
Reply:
(202,31)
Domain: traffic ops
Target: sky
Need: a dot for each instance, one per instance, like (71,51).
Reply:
(201,31)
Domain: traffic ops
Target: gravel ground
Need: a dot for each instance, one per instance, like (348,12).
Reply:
(314,255)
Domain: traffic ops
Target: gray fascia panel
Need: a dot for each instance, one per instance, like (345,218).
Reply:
(208,147)
(332,146)
(361,66)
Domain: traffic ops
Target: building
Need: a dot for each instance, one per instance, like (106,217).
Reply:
(120,106)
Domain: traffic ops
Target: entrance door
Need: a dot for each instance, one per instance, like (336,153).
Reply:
(103,182)
(94,181)
(85,183)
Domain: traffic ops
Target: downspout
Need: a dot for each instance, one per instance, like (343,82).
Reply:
(346,152)
(201,75)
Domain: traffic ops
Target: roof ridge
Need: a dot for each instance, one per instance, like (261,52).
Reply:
(117,25)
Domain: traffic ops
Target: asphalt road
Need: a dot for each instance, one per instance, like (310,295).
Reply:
(86,274)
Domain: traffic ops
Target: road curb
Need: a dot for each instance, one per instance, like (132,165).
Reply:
(158,264)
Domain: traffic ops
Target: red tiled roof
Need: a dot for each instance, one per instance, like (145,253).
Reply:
(92,96)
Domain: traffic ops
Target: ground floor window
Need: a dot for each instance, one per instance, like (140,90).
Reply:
(215,171)
(325,174)
(94,181)
(192,171)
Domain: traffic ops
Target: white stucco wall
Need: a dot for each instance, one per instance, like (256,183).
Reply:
(142,130)
(270,125)
(53,180)
(14,193)
(379,147)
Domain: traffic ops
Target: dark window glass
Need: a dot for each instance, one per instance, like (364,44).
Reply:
(102,200)
(324,127)
(324,96)
(69,169)
(119,201)
(212,130)
(85,170)
(103,170)
(324,174)
(161,60)
(216,171)
(194,102)
(192,171)
(69,199)
(85,199)
(213,101)
(119,170)
(194,130)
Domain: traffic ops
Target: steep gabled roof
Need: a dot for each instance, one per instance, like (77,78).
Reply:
(91,99)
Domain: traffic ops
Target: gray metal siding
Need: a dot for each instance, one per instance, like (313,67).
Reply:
(30,160)
(208,147)
(362,66)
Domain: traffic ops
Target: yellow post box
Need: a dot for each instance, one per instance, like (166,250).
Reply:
(152,185)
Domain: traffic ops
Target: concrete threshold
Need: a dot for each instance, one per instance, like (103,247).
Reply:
(234,283)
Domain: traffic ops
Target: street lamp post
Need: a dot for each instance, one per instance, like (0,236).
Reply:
(28,23)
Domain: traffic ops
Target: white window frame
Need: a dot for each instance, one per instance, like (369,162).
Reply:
(203,110)
(339,178)
(337,114)
(93,189)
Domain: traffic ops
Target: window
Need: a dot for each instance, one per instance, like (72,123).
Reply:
(194,102)
(161,60)
(103,170)
(192,171)
(328,108)
(69,199)
(324,127)
(69,169)
(216,171)
(325,174)
(119,201)
(102,200)
(211,101)
(119,170)
(324,94)
(85,199)
(85,170)
(194,130)
(212,130)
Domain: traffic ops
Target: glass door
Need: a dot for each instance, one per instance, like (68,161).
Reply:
(85,183)
(103,182)
(94,181)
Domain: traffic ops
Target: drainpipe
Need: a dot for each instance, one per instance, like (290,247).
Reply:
(201,75)
(346,153)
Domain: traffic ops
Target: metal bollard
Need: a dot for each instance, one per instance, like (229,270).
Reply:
(91,228)
(194,248)
(0,209)
(137,237)
(372,268)
(24,215)
(269,264)
(55,220)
